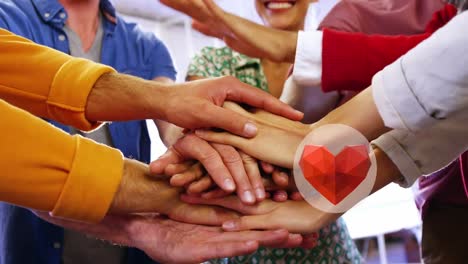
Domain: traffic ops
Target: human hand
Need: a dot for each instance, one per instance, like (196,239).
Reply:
(275,143)
(193,8)
(295,216)
(189,105)
(240,34)
(141,193)
(198,104)
(219,163)
(163,239)
(194,178)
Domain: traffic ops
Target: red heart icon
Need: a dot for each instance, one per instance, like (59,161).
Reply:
(335,177)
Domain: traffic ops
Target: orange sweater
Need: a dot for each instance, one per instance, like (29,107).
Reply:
(42,167)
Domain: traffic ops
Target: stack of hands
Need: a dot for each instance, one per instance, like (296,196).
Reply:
(225,170)
(213,194)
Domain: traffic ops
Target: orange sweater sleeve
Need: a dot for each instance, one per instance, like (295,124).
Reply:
(46,82)
(42,167)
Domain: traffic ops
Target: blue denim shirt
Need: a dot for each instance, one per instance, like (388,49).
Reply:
(24,238)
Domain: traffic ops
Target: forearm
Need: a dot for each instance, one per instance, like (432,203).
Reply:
(120,97)
(359,113)
(262,42)
(387,171)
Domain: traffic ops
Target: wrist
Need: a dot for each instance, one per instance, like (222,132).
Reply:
(120,97)
(119,204)
(291,45)
(387,171)
(307,128)
(140,193)
(156,100)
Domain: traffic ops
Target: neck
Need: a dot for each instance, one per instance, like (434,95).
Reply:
(83,19)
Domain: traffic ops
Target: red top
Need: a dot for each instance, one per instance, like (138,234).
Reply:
(349,60)
(389,17)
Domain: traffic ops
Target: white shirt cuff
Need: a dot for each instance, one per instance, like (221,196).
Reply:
(397,154)
(308,64)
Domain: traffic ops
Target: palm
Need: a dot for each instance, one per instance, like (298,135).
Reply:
(169,241)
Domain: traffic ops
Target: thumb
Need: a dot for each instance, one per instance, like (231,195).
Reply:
(170,157)
(250,222)
(231,121)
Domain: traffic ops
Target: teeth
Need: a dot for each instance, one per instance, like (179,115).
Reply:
(279,5)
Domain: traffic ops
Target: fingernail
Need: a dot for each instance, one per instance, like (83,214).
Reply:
(199,133)
(229,185)
(280,198)
(283,174)
(206,195)
(251,243)
(279,231)
(248,197)
(295,237)
(250,130)
(260,193)
(229,225)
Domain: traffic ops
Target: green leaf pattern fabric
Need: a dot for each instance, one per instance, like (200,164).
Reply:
(217,62)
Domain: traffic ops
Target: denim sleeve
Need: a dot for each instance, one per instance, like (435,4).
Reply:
(162,64)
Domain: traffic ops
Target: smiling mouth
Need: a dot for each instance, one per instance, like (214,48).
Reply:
(279,5)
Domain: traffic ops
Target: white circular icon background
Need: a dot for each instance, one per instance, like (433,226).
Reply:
(334,137)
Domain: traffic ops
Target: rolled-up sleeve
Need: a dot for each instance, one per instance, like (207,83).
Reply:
(426,151)
(42,167)
(429,84)
(46,169)
(46,82)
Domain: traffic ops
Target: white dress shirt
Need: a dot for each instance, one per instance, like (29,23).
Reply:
(424,96)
